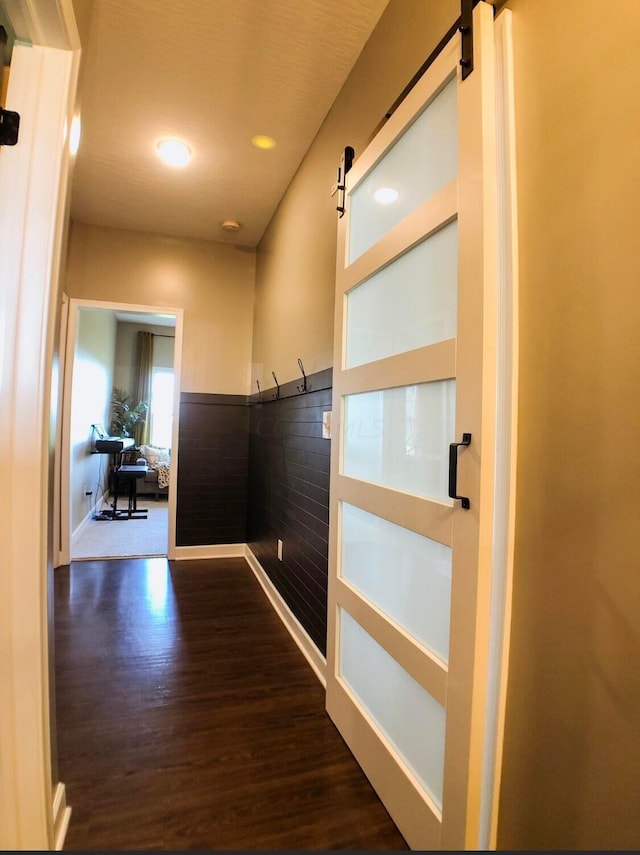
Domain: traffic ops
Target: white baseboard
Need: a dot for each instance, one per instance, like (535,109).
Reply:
(291,622)
(94,509)
(61,817)
(82,524)
(214,550)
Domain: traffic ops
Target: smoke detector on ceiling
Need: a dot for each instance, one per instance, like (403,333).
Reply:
(230,225)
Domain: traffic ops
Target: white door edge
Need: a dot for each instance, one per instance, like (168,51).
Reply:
(506,433)
(33,176)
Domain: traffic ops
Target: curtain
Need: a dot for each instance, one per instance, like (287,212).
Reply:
(144,365)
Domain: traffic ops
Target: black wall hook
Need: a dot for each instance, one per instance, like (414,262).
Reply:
(259,390)
(302,388)
(277,394)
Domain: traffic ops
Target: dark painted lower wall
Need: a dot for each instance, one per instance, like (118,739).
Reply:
(289,498)
(213,470)
(251,472)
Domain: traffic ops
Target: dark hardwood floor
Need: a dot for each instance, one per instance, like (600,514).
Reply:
(188,719)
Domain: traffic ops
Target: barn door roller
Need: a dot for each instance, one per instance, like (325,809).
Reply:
(466,32)
(340,187)
(9,127)
(9,122)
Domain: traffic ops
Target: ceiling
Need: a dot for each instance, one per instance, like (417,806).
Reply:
(214,73)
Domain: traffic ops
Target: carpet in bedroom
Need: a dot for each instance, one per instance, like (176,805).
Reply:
(123,538)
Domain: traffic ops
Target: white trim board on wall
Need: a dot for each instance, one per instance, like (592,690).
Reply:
(61,816)
(506,429)
(33,177)
(295,629)
(293,626)
(212,550)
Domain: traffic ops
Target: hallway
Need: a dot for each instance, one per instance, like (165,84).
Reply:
(188,719)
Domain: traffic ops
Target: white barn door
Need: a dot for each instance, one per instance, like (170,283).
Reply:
(414,422)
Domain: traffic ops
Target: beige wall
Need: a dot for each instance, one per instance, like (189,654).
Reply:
(4,83)
(572,750)
(124,371)
(90,404)
(572,754)
(295,275)
(212,282)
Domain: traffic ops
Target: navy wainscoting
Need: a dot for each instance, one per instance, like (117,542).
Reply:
(289,497)
(254,472)
(213,470)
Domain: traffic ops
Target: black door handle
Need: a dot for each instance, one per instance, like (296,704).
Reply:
(453,470)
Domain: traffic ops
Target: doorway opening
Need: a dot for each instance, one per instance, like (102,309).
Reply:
(122,381)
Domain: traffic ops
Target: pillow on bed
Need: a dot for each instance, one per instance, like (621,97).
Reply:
(154,454)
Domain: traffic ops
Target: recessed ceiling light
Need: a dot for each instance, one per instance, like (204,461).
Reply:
(385,195)
(173,152)
(262,141)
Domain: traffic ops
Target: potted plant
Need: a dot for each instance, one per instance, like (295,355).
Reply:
(125,415)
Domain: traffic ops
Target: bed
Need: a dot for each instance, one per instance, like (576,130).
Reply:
(158,460)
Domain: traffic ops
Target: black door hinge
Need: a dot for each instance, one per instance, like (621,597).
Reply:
(9,127)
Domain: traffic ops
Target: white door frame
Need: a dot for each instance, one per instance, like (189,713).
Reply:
(71,334)
(34,180)
(506,432)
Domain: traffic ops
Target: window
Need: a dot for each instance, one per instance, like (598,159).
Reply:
(161,410)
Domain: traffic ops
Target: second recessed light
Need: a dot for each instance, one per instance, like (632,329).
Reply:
(263,141)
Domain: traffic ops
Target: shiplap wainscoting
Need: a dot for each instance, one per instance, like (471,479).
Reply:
(213,464)
(254,472)
(289,498)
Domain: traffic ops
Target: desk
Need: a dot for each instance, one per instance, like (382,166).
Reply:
(115,446)
(126,475)
(129,474)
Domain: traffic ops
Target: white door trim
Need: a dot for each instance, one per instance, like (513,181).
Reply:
(57,465)
(52,23)
(33,177)
(71,339)
(506,431)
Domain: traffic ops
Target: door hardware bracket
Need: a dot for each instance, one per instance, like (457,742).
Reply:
(465,28)
(346,162)
(9,127)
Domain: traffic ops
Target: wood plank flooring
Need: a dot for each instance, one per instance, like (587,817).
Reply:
(188,719)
